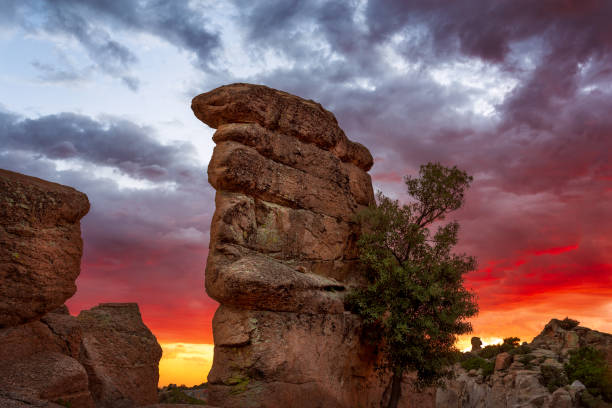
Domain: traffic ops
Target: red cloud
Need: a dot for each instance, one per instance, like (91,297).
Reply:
(555,250)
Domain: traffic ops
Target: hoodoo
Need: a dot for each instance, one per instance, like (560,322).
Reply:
(283,253)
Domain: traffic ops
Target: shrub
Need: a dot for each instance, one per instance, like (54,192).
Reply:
(175,395)
(588,365)
(552,377)
(527,359)
(521,350)
(476,363)
(568,324)
(487,368)
(510,343)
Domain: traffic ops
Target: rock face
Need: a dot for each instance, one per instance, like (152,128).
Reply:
(104,358)
(120,354)
(40,246)
(520,379)
(35,365)
(283,253)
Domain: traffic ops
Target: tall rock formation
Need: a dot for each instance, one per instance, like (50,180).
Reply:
(40,246)
(104,358)
(283,253)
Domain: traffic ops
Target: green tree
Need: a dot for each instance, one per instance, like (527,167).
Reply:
(415,304)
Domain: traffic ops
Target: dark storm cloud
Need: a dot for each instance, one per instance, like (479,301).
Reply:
(113,142)
(541,162)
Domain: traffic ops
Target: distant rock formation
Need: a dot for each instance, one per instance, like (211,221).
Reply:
(283,254)
(518,378)
(105,357)
(476,344)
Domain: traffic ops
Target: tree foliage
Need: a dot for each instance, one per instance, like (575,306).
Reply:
(415,302)
(509,344)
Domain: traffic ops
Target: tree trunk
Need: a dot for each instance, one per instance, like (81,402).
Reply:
(396,390)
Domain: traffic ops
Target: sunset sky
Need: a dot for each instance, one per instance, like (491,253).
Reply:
(96,95)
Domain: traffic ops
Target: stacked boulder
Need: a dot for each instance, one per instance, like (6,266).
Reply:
(529,376)
(283,253)
(105,357)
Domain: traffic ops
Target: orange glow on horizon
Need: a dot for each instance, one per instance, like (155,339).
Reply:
(185,363)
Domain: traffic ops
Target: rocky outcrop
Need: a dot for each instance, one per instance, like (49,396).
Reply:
(120,354)
(104,358)
(34,365)
(283,253)
(529,376)
(40,246)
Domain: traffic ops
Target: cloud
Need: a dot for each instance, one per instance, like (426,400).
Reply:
(515,92)
(95,25)
(50,73)
(110,141)
(407,79)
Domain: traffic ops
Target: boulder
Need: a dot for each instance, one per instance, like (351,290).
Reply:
(503,361)
(35,366)
(40,246)
(561,399)
(49,376)
(120,355)
(283,255)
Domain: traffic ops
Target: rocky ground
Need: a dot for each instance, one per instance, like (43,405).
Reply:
(530,375)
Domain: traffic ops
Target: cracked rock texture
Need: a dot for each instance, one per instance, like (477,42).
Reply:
(283,254)
(106,357)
